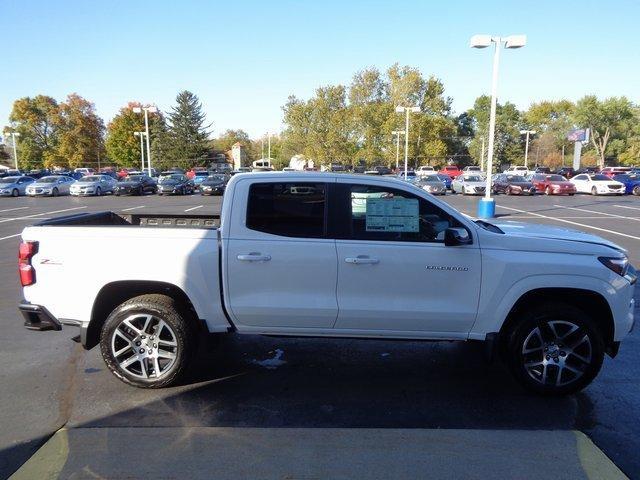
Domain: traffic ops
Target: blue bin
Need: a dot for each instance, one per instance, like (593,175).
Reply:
(486,208)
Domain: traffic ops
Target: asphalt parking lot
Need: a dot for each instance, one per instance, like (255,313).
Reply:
(47,381)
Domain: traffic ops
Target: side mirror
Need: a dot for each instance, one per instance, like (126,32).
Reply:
(456,236)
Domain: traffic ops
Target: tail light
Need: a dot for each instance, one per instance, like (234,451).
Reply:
(25,269)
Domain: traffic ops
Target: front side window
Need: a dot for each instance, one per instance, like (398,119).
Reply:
(287,209)
(381,213)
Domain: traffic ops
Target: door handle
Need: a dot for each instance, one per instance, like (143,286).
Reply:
(362,260)
(254,257)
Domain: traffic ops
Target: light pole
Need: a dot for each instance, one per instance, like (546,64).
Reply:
(141,135)
(526,148)
(482,155)
(148,109)
(269,146)
(15,150)
(407,111)
(397,133)
(487,206)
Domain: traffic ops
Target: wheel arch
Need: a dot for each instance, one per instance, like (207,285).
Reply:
(115,293)
(589,301)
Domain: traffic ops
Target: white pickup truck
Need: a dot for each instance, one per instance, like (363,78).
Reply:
(329,255)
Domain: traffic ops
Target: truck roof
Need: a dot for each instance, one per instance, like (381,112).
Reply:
(314,176)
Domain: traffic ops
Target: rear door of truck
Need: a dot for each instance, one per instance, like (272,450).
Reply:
(281,267)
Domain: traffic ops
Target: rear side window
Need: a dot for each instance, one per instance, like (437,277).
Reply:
(287,209)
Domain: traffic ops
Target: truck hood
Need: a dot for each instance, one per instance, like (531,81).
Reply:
(555,238)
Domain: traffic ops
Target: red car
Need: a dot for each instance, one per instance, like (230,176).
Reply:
(553,184)
(452,170)
(192,173)
(613,171)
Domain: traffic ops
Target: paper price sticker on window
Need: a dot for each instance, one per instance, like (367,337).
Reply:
(392,215)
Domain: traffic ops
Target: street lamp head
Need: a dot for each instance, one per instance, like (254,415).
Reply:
(397,132)
(137,110)
(137,134)
(480,41)
(414,109)
(530,132)
(15,134)
(399,109)
(152,109)
(515,41)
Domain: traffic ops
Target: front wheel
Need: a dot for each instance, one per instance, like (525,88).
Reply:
(594,191)
(15,192)
(98,192)
(508,191)
(140,191)
(554,349)
(547,191)
(636,190)
(55,192)
(147,342)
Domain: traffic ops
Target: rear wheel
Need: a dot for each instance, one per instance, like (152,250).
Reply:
(54,192)
(547,191)
(636,190)
(140,191)
(508,191)
(594,191)
(554,349)
(98,192)
(147,342)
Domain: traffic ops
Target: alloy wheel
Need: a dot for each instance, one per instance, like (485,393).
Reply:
(557,353)
(144,346)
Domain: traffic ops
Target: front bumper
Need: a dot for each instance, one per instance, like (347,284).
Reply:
(37,317)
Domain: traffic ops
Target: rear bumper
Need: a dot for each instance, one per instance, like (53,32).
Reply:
(37,317)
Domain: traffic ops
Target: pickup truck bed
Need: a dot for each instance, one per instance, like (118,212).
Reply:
(112,219)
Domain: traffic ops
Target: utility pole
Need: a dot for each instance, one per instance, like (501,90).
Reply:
(152,109)
(407,111)
(397,133)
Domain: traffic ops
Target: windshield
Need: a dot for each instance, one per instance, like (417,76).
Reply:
(556,178)
(133,178)
(599,177)
(623,178)
(515,178)
(473,178)
(9,179)
(202,174)
(430,178)
(48,179)
(91,178)
(215,178)
(172,178)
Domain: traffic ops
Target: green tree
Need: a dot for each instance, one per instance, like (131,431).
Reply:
(123,147)
(187,131)
(80,134)
(36,120)
(224,142)
(607,120)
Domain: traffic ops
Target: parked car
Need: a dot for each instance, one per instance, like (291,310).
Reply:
(14,186)
(191,173)
(199,177)
(93,185)
(411,176)
(85,171)
(425,170)
(135,185)
(520,170)
(469,185)
(50,186)
(214,185)
(446,179)
(552,317)
(597,184)
(241,170)
(546,170)
(432,184)
(512,184)
(178,184)
(566,172)
(613,171)
(553,184)
(379,170)
(472,169)
(630,182)
(452,170)
(39,173)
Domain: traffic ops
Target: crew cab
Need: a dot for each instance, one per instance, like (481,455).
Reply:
(330,255)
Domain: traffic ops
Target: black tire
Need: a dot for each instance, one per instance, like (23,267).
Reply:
(15,192)
(636,190)
(54,192)
(159,307)
(594,191)
(140,191)
(507,191)
(546,319)
(98,192)
(547,191)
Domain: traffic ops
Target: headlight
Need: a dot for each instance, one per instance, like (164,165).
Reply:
(617,265)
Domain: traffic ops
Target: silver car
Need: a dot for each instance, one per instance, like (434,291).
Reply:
(14,186)
(50,186)
(432,184)
(469,185)
(93,185)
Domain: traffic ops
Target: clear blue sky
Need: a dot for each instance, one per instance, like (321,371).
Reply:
(243,58)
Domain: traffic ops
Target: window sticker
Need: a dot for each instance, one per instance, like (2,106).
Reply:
(392,215)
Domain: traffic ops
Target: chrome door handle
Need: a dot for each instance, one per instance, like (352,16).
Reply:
(254,257)
(362,260)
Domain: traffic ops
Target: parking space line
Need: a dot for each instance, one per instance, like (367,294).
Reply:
(40,214)
(599,213)
(132,208)
(12,209)
(624,206)
(10,236)
(571,222)
(194,208)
